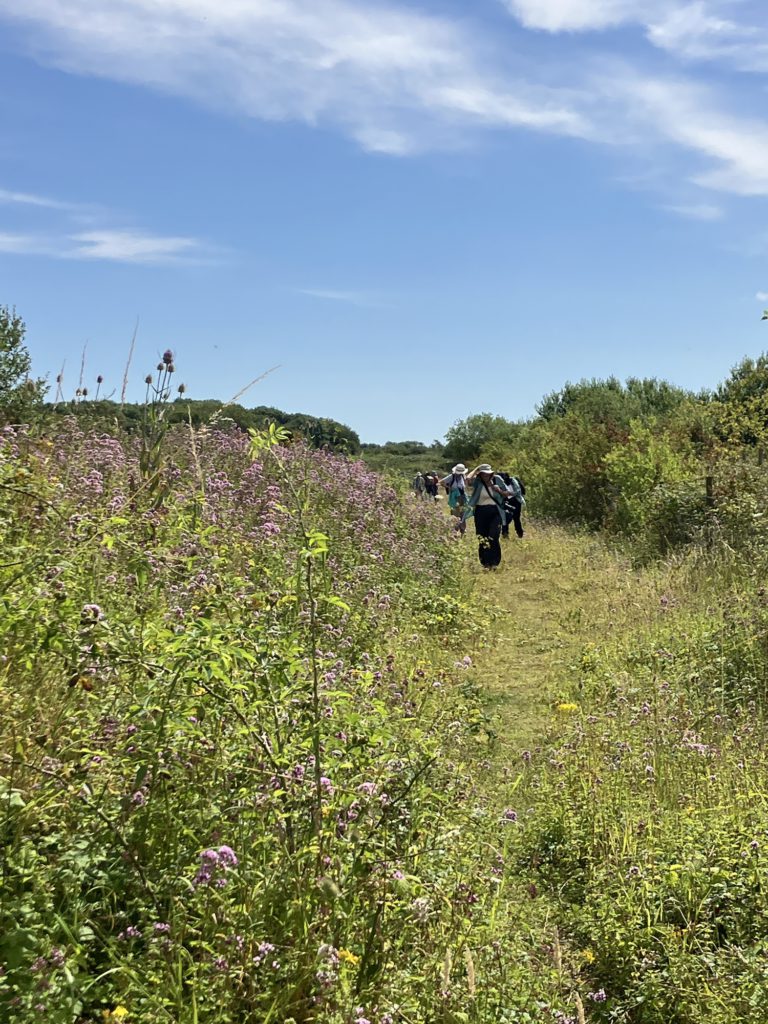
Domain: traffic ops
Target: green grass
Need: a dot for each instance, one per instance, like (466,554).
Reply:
(555,593)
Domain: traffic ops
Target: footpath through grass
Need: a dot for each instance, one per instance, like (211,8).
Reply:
(630,719)
(555,592)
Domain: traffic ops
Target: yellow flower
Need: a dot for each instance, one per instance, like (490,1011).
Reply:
(588,956)
(348,957)
(119,1013)
(567,709)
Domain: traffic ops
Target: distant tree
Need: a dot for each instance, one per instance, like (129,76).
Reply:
(19,393)
(404,448)
(467,438)
(319,432)
(610,401)
(742,403)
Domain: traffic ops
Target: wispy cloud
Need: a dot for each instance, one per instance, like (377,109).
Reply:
(731,150)
(351,298)
(730,32)
(581,15)
(67,230)
(762,296)
(697,211)
(133,247)
(20,243)
(396,80)
(42,202)
(401,81)
(112,246)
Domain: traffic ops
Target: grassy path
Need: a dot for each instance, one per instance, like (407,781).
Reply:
(555,593)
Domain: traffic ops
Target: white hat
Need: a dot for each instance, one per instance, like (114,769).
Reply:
(459,470)
(485,468)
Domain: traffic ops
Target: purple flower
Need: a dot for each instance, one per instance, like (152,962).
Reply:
(227,856)
(597,997)
(91,613)
(167,357)
(263,953)
(326,784)
(509,815)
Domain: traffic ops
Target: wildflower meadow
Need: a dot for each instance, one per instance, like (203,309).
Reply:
(274,749)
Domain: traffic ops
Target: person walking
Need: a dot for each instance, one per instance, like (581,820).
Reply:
(513,504)
(431,484)
(419,486)
(455,485)
(486,502)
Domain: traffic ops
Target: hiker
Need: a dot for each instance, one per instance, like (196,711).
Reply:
(419,486)
(514,503)
(486,503)
(456,488)
(431,485)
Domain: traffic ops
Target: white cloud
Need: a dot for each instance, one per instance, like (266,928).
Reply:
(29,199)
(334,295)
(401,82)
(762,296)
(351,298)
(20,243)
(579,15)
(698,211)
(677,111)
(698,31)
(112,246)
(82,231)
(693,30)
(131,247)
(396,80)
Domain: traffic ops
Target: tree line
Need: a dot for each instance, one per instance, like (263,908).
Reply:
(642,459)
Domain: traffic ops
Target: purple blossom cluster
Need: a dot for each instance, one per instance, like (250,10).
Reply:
(214,864)
(216,556)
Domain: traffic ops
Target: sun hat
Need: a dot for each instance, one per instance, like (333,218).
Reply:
(459,469)
(485,468)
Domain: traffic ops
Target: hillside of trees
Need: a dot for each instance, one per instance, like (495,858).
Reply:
(317,431)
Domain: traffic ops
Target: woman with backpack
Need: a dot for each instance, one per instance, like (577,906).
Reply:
(513,504)
(486,503)
(456,488)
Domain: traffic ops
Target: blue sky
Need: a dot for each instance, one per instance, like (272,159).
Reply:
(417,210)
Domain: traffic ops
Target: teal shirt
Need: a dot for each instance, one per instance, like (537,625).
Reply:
(477,490)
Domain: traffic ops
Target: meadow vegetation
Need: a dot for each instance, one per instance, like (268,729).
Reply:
(274,749)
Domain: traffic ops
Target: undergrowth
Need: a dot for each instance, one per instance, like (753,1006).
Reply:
(271,753)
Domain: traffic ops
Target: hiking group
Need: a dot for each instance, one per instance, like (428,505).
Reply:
(492,499)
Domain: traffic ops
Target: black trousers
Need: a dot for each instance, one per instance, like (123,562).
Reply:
(488,529)
(513,510)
